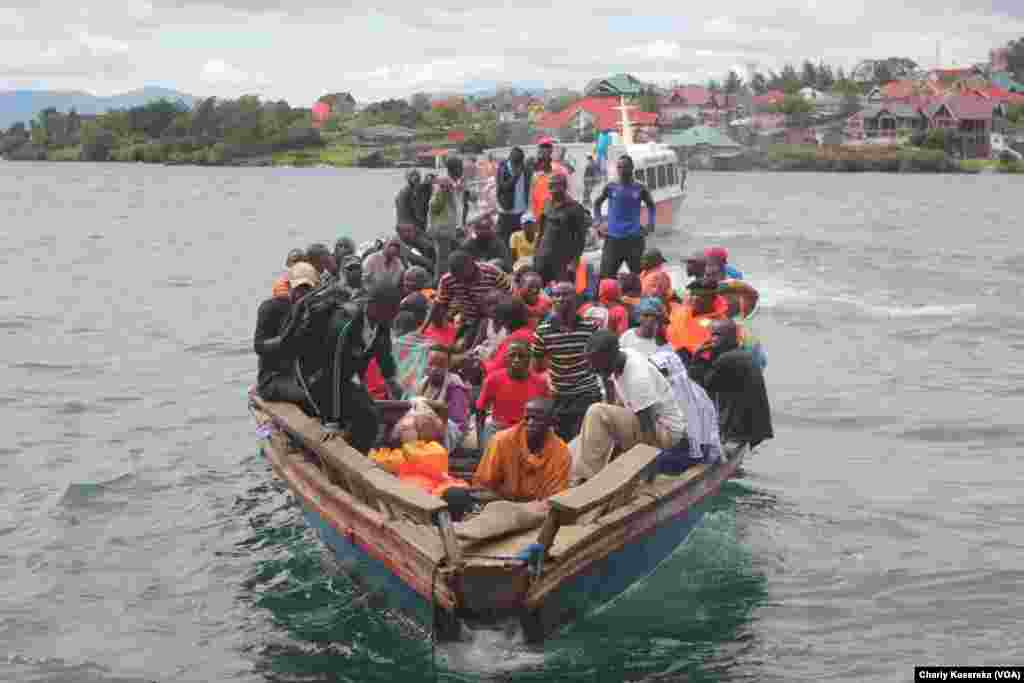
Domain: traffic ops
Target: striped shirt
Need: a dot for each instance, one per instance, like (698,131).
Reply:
(468,298)
(566,351)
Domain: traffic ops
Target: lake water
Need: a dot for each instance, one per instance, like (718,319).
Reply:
(142,538)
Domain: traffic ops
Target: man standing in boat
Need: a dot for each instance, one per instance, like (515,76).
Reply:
(563,233)
(513,193)
(625,236)
(447,216)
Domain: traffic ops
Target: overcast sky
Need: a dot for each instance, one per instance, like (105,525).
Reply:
(301,49)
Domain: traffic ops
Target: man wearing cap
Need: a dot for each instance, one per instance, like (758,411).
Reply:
(625,236)
(720,257)
(523,243)
(513,184)
(654,278)
(279,334)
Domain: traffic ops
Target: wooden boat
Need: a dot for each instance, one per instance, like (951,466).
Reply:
(588,545)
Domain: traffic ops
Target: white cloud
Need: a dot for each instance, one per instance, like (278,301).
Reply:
(299,49)
(217,72)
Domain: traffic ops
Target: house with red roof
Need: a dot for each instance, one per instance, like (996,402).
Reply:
(599,114)
(970,118)
(706,108)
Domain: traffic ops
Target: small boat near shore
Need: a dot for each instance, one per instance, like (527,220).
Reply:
(543,563)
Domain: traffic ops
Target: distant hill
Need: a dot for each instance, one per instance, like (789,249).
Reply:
(23,105)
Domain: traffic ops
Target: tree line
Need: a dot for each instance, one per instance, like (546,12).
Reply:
(215,131)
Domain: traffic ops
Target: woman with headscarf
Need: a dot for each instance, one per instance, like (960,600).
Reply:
(608,311)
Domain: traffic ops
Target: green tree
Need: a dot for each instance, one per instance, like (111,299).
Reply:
(939,139)
(1015,58)
(648,101)
(796,109)
(733,83)
(97,142)
(1015,114)
(788,81)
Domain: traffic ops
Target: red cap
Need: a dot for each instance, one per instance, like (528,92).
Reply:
(717,253)
(546,141)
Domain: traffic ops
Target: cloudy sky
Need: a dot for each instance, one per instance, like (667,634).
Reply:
(300,49)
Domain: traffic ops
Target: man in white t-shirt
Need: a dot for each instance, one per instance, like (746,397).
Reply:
(641,408)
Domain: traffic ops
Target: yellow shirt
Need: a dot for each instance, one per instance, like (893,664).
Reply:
(511,471)
(520,246)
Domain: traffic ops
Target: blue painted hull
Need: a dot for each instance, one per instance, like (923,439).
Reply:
(608,579)
(377,580)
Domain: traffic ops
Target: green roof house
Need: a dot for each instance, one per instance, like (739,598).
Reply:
(619,85)
(698,136)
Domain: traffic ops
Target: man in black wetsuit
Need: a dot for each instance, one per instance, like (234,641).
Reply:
(278,337)
(355,333)
(734,381)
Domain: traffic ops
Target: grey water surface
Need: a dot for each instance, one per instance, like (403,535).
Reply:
(142,538)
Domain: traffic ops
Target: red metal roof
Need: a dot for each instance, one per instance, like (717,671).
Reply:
(456,136)
(964,107)
(694,95)
(602,109)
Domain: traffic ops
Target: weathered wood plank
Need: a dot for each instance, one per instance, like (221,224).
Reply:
(355,469)
(616,476)
(625,525)
(410,551)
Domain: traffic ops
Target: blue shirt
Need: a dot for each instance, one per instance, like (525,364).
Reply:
(624,210)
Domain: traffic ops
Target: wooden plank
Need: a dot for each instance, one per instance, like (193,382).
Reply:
(410,551)
(408,499)
(452,549)
(354,467)
(616,476)
(629,523)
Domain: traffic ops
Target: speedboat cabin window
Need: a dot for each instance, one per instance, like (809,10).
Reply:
(662,176)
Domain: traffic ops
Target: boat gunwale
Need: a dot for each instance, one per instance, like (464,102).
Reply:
(312,487)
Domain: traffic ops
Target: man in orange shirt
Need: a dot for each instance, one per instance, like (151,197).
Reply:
(545,168)
(529,461)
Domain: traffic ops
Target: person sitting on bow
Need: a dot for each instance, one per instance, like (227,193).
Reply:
(526,462)
(441,384)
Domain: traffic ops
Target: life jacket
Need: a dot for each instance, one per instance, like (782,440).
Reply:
(689,331)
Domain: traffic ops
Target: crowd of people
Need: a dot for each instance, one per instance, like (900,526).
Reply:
(556,366)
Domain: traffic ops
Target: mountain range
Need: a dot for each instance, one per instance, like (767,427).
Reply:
(24,105)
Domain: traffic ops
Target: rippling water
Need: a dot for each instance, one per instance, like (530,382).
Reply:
(142,538)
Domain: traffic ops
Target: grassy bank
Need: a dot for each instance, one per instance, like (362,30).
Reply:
(858,159)
(991,166)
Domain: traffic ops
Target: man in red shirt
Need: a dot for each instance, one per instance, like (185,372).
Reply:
(508,391)
(532,295)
